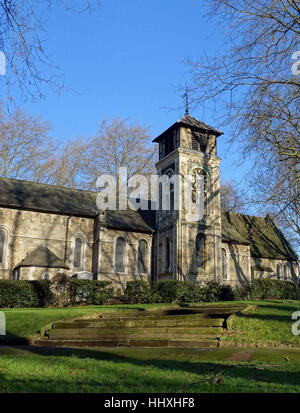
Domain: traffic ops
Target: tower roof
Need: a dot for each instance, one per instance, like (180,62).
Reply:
(192,123)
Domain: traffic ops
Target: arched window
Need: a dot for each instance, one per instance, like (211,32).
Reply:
(142,256)
(279,271)
(286,271)
(120,254)
(224,264)
(170,174)
(167,255)
(2,245)
(160,196)
(196,174)
(78,252)
(172,197)
(200,251)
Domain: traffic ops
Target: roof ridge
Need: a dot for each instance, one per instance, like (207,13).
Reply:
(48,185)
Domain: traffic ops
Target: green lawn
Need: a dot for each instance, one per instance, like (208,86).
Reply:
(149,371)
(23,324)
(242,368)
(265,324)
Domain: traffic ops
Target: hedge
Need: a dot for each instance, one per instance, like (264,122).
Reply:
(17,294)
(264,288)
(138,292)
(171,291)
(89,291)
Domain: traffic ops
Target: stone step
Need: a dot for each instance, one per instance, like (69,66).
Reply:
(182,311)
(127,316)
(88,333)
(154,330)
(127,343)
(142,323)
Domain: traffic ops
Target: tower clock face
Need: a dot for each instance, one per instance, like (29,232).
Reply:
(196,172)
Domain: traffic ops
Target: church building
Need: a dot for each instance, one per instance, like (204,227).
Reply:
(47,229)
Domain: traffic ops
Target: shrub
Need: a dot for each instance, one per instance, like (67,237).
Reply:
(18,294)
(102,293)
(264,288)
(139,292)
(89,291)
(169,291)
(211,291)
(226,293)
(59,287)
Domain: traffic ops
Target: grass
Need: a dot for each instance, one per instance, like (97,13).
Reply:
(23,324)
(148,371)
(264,323)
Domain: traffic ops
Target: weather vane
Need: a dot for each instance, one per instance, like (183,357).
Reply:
(186,96)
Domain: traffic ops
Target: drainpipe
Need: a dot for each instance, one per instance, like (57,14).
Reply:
(67,234)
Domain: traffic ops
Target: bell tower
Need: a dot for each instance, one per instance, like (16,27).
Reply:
(189,250)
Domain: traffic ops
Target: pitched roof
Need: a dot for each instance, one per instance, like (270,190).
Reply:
(193,123)
(41,256)
(129,220)
(190,121)
(46,198)
(34,196)
(265,238)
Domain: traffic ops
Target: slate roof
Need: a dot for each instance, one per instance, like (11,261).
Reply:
(41,256)
(139,221)
(27,195)
(265,238)
(193,123)
(46,198)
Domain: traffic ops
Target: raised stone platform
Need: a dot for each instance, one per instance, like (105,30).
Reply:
(188,327)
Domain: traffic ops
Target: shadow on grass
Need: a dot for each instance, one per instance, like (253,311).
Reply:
(13,340)
(204,372)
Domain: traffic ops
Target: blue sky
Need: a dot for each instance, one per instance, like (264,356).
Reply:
(127,60)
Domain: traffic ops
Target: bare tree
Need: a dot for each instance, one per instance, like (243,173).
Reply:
(120,144)
(276,190)
(28,152)
(66,166)
(24,144)
(28,66)
(253,80)
(231,200)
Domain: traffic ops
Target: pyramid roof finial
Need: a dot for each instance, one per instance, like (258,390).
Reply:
(186,96)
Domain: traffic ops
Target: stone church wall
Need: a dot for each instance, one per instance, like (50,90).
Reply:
(107,270)
(238,264)
(26,230)
(292,273)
